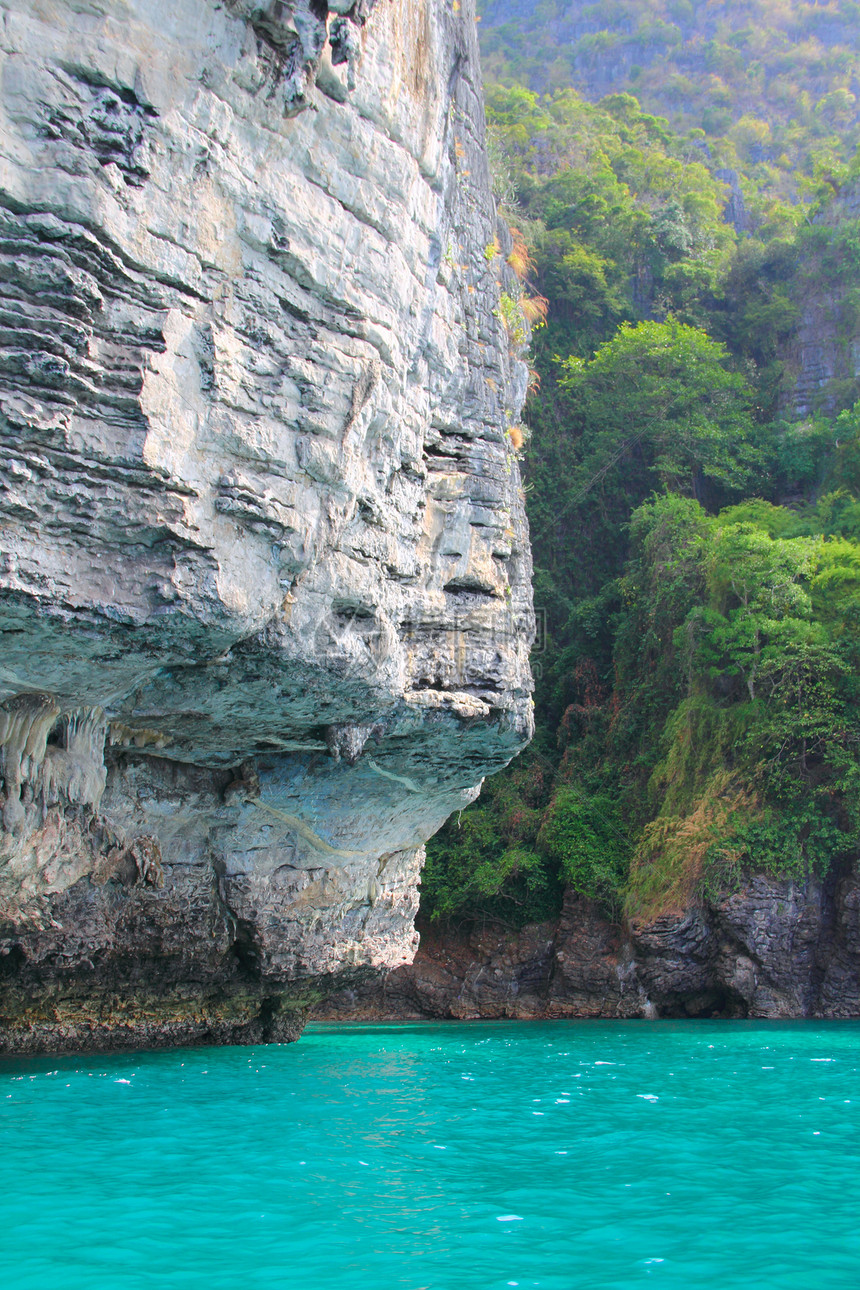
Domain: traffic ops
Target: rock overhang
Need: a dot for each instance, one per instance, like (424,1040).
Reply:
(262,522)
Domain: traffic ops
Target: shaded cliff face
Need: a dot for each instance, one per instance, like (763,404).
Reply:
(773,949)
(823,356)
(264,574)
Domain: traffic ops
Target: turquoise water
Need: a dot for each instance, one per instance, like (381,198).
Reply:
(442,1157)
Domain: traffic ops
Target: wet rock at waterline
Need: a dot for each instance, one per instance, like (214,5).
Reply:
(264,572)
(774,949)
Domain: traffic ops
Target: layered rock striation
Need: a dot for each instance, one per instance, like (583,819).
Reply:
(264,573)
(774,949)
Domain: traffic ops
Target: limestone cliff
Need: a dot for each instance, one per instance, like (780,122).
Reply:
(264,573)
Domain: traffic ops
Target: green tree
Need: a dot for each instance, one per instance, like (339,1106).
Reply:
(665,389)
(759,584)
(584,837)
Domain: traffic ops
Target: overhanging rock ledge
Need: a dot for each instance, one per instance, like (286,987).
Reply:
(264,572)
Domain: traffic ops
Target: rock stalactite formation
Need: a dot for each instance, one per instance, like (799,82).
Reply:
(773,949)
(264,573)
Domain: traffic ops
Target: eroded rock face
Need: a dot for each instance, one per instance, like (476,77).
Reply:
(264,574)
(775,949)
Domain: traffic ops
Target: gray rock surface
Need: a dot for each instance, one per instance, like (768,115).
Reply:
(774,949)
(264,571)
(823,355)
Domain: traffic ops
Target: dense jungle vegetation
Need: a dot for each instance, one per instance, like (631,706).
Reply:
(693,475)
(768,86)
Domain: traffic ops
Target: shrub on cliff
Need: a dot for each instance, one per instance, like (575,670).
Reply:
(585,840)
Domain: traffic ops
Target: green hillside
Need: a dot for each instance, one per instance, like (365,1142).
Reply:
(773,86)
(692,461)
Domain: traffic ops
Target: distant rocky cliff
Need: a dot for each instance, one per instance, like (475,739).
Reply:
(823,355)
(264,572)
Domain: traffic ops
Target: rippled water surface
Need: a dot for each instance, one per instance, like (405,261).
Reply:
(451,1157)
